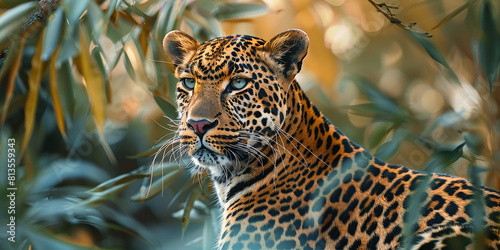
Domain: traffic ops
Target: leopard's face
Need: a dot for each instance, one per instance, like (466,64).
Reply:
(231,98)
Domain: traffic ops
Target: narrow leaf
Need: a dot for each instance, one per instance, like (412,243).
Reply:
(489,46)
(53,34)
(378,134)
(54,93)
(193,196)
(167,107)
(129,67)
(73,10)
(239,11)
(434,53)
(16,55)
(115,61)
(94,84)
(35,77)
(12,20)
(157,186)
(454,13)
(95,19)
(161,24)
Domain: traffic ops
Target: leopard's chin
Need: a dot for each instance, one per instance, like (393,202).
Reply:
(216,164)
(220,166)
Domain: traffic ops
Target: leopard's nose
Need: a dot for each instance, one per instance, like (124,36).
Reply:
(201,127)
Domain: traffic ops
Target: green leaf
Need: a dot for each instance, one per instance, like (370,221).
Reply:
(447,119)
(379,133)
(388,149)
(112,7)
(70,46)
(454,13)
(474,142)
(95,19)
(443,157)
(65,84)
(167,107)
(62,170)
(135,10)
(434,53)
(239,11)
(115,60)
(96,53)
(42,240)
(193,196)
(53,34)
(158,185)
(11,21)
(489,46)
(129,67)
(383,107)
(161,24)
(73,10)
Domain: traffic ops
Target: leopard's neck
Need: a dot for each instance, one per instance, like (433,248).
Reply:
(298,145)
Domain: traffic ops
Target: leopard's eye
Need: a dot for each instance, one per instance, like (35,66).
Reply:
(238,83)
(188,83)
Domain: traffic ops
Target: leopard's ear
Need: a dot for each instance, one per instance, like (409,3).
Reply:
(288,49)
(179,46)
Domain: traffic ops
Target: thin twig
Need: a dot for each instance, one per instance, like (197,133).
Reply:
(386,11)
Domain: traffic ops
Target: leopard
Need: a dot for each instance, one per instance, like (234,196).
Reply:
(286,178)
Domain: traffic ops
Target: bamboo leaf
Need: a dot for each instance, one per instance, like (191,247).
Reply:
(115,60)
(388,149)
(35,76)
(66,83)
(54,93)
(167,107)
(193,196)
(157,186)
(53,34)
(129,67)
(378,134)
(95,19)
(434,53)
(489,46)
(12,20)
(161,24)
(453,14)
(239,11)
(73,10)
(94,84)
(15,55)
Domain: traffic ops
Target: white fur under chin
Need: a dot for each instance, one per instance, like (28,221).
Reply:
(214,166)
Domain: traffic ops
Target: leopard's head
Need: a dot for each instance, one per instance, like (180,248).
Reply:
(232,94)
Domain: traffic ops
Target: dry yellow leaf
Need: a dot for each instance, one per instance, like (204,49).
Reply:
(12,77)
(94,84)
(56,101)
(31,101)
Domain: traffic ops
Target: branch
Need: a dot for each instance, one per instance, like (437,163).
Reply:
(386,11)
(44,9)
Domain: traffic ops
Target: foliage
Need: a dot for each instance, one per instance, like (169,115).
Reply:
(84,171)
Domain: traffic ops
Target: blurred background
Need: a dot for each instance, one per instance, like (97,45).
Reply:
(87,96)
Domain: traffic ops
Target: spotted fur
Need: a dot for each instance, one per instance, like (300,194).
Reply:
(287,178)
